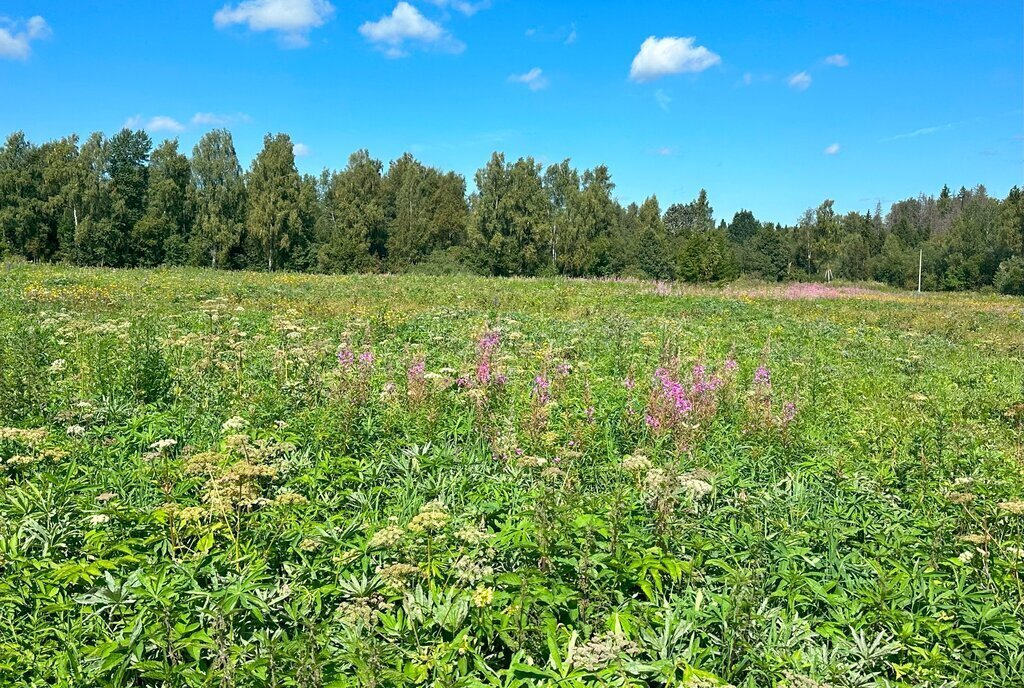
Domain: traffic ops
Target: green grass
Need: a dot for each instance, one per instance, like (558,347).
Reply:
(320,522)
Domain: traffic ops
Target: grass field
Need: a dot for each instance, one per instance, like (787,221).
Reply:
(225,479)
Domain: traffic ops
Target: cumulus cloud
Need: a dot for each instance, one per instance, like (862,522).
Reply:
(164,123)
(832,149)
(660,57)
(534,79)
(213,119)
(291,19)
(837,60)
(16,37)
(155,124)
(300,150)
(801,81)
(405,25)
(463,6)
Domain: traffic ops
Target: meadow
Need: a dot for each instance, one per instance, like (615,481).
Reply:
(242,479)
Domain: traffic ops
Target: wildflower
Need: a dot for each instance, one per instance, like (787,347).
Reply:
(762,376)
(75,430)
(636,463)
(471,535)
(1015,507)
(541,389)
(977,538)
(30,436)
(602,650)
(309,545)
(488,342)
(163,445)
(432,517)
(528,461)
(58,365)
(696,488)
(483,372)
(290,499)
(966,556)
(629,383)
(191,514)
(552,473)
(98,519)
(366,359)
(346,357)
(386,538)
(482,596)
(397,576)
(960,497)
(234,424)
(105,497)
(21,460)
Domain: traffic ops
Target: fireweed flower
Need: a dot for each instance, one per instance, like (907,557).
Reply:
(542,388)
(488,342)
(762,377)
(366,359)
(483,372)
(346,357)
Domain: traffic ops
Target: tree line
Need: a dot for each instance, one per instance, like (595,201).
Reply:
(120,202)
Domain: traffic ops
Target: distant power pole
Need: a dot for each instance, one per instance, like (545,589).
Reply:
(920,263)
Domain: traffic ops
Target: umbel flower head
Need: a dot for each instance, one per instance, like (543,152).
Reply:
(432,517)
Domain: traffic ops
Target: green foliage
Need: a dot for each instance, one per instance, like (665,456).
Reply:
(109,202)
(1010,277)
(274,189)
(213,478)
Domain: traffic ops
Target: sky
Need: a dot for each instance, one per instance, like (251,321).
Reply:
(771,106)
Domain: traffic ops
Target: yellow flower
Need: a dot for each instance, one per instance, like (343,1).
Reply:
(482,596)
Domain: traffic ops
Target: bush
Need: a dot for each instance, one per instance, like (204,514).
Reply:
(1010,276)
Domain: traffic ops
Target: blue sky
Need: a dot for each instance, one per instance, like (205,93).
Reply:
(772,106)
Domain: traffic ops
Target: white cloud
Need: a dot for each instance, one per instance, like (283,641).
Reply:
(463,6)
(164,123)
(406,23)
(837,60)
(534,79)
(660,57)
(292,19)
(801,81)
(16,37)
(664,99)
(571,38)
(832,149)
(212,119)
(565,34)
(155,124)
(925,131)
(664,151)
(300,149)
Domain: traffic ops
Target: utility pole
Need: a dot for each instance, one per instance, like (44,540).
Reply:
(920,263)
